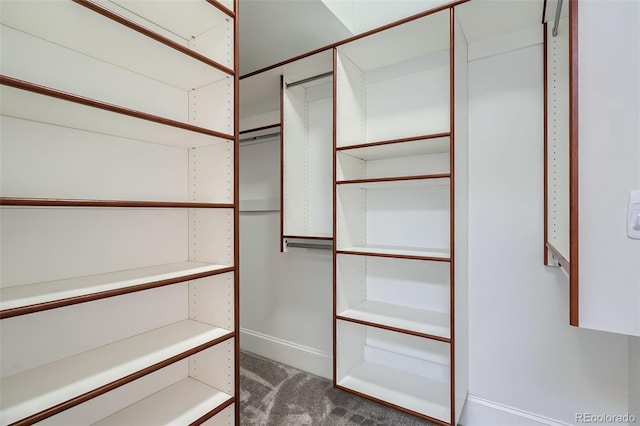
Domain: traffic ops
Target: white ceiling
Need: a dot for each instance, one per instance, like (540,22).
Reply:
(272,31)
(275,30)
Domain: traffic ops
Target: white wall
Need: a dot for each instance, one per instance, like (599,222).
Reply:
(286,299)
(634,377)
(525,359)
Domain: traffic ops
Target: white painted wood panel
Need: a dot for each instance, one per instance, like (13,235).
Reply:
(609,161)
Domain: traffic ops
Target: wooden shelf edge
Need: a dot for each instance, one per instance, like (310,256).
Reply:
(395,179)
(563,261)
(257,129)
(69,97)
(64,202)
(395,141)
(215,411)
(155,36)
(388,404)
(37,417)
(396,256)
(59,303)
(306,237)
(222,8)
(394,329)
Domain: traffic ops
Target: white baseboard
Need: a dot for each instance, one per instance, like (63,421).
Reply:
(482,412)
(301,357)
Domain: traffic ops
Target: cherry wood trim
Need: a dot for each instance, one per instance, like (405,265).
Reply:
(257,129)
(335,216)
(563,261)
(394,406)
(574,271)
(452,216)
(153,35)
(308,237)
(395,179)
(545,123)
(394,329)
(215,411)
(62,202)
(65,96)
(394,141)
(60,303)
(395,256)
(37,417)
(236,213)
(359,36)
(230,13)
(282,164)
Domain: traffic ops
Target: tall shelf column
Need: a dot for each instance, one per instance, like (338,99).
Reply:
(118,212)
(400,216)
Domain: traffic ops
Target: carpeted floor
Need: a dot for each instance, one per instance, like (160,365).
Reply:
(273,394)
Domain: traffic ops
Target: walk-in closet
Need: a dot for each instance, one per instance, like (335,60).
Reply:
(319,212)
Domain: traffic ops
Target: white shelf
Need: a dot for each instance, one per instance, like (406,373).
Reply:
(181,403)
(395,183)
(430,253)
(402,43)
(32,391)
(412,148)
(32,294)
(410,391)
(418,320)
(136,52)
(32,106)
(389,160)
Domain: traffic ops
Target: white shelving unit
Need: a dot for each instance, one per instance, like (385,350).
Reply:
(118,212)
(307,147)
(400,184)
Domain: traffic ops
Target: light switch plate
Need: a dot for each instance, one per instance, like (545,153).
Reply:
(633,215)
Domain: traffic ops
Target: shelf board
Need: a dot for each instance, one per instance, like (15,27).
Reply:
(187,19)
(440,179)
(28,298)
(326,237)
(437,254)
(407,147)
(401,318)
(224,6)
(146,43)
(182,403)
(28,101)
(420,37)
(46,390)
(400,388)
(62,202)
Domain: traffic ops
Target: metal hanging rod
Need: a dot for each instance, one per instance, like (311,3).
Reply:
(556,20)
(260,137)
(310,246)
(307,80)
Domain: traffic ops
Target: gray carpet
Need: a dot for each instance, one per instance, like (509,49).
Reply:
(273,394)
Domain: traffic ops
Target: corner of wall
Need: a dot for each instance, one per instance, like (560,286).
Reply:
(634,377)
